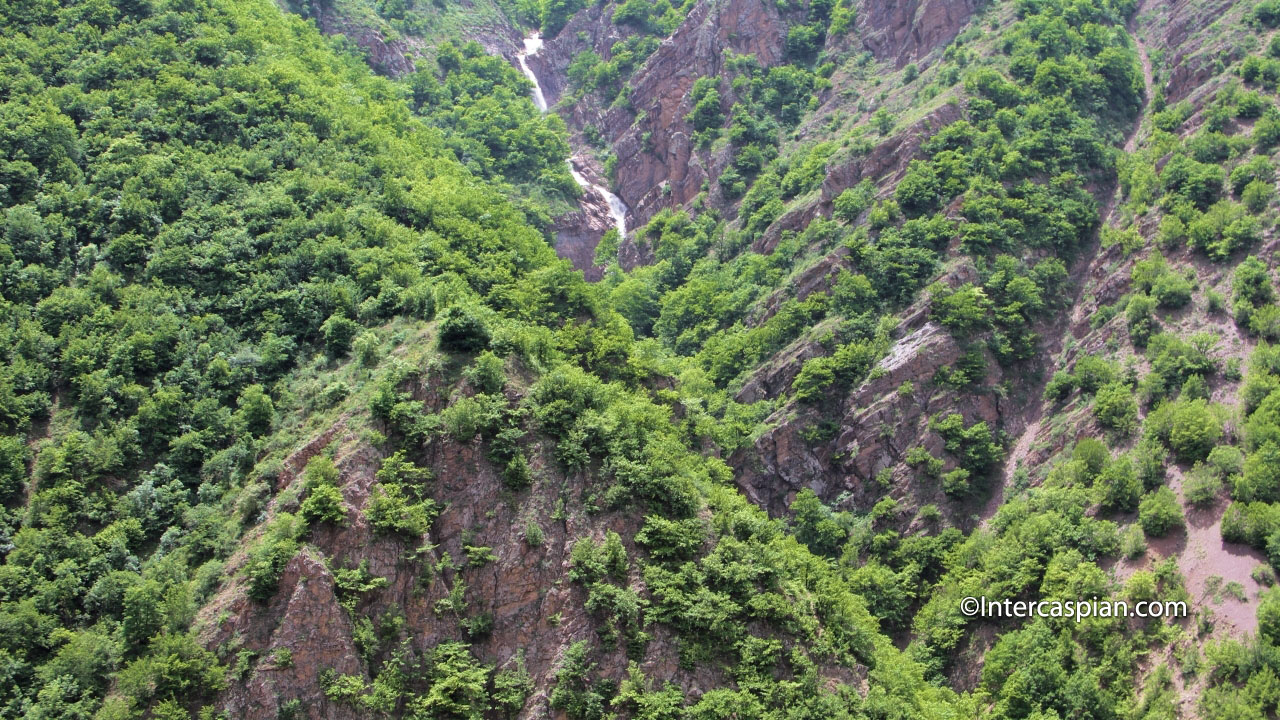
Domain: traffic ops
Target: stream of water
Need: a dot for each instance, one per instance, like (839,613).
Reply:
(617,208)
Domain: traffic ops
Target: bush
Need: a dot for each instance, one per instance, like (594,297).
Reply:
(1118,487)
(804,41)
(1202,486)
(267,559)
(1260,475)
(1266,132)
(1092,456)
(1256,169)
(338,332)
(1132,542)
(1059,386)
(1250,105)
(1187,427)
(1159,513)
(974,447)
(516,475)
(462,330)
(324,501)
(367,348)
(1257,195)
(1115,407)
(1226,461)
(633,12)
(964,310)
(1223,229)
(487,374)
(854,201)
(1172,290)
(533,535)
(391,511)
(705,98)
(1140,316)
(324,504)
(956,482)
(255,413)
(1149,461)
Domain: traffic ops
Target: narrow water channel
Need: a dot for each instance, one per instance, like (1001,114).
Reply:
(617,208)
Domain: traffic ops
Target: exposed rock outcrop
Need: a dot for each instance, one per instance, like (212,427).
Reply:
(657,164)
(904,31)
(394,57)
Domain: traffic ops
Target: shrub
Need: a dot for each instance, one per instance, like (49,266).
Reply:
(974,446)
(964,310)
(1172,290)
(1149,461)
(1266,131)
(338,331)
(1258,168)
(512,687)
(1132,542)
(1260,475)
(324,504)
(391,511)
(574,693)
(1226,461)
(804,41)
(255,413)
(705,98)
(1115,407)
(1250,104)
(1059,386)
(956,482)
(1092,457)
(1092,372)
(324,501)
(397,468)
(462,330)
(1223,229)
(636,13)
(516,475)
(1118,487)
(1257,195)
(367,347)
(1159,513)
(1140,316)
(267,559)
(1202,486)
(1263,575)
(671,540)
(487,374)
(854,201)
(815,524)
(1187,427)
(533,535)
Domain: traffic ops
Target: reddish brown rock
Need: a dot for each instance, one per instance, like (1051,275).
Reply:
(904,31)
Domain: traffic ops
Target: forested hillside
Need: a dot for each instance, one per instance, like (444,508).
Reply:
(302,415)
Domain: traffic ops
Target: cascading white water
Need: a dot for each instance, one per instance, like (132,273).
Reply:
(617,208)
(532,45)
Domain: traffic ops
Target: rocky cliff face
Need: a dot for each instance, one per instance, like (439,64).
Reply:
(534,611)
(904,31)
(657,164)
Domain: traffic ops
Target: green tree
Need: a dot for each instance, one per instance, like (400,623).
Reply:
(1115,407)
(1159,513)
(256,411)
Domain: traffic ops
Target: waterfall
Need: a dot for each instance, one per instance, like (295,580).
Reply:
(617,208)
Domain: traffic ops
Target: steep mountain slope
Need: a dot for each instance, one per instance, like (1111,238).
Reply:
(921,301)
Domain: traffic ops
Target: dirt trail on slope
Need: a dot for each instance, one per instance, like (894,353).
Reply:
(1131,144)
